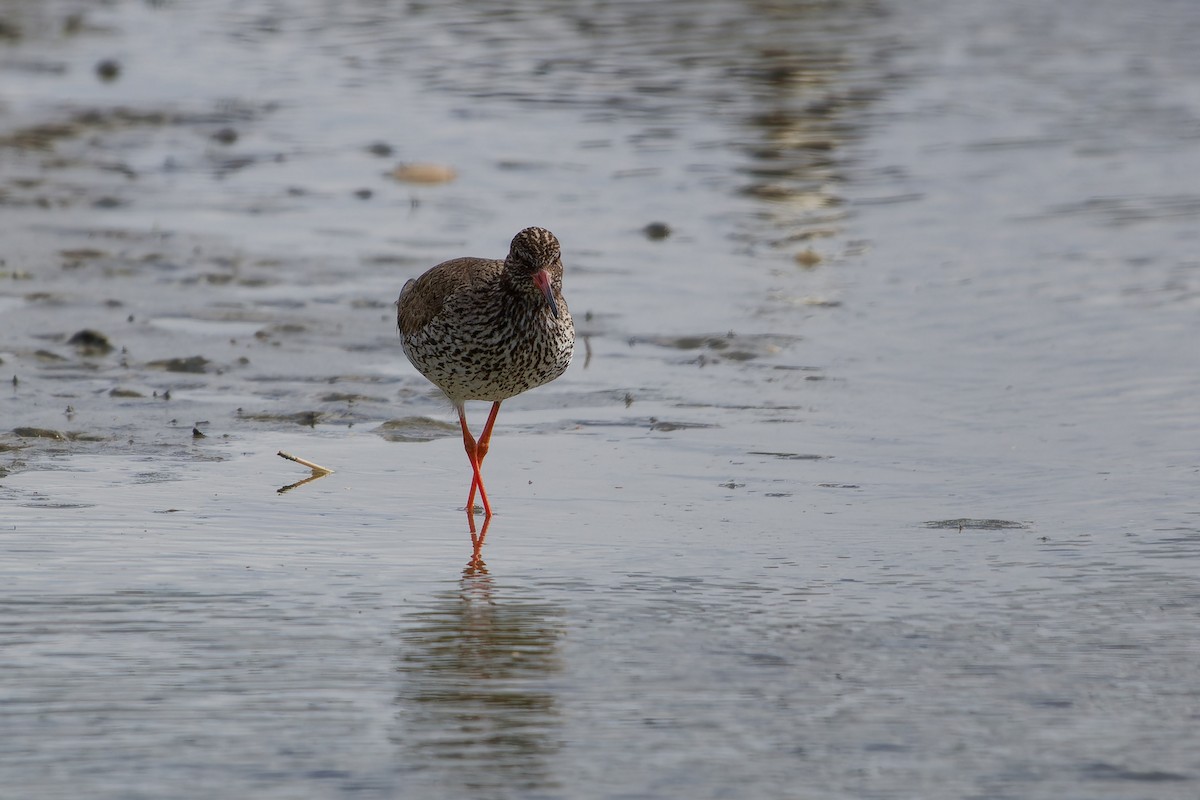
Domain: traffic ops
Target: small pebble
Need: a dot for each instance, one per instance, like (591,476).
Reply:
(108,69)
(808,258)
(91,342)
(657,231)
(424,173)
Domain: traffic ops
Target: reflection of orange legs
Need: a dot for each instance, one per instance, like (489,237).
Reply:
(472,448)
(475,565)
(480,450)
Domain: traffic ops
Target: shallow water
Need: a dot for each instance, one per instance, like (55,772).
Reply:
(874,478)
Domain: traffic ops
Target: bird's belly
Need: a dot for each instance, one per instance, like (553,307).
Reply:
(489,368)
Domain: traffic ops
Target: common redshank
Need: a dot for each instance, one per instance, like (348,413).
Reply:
(483,329)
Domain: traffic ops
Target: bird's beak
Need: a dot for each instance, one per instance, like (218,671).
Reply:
(541,279)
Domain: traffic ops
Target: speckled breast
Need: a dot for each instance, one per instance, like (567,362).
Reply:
(495,356)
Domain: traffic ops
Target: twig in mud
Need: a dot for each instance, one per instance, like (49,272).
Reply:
(317,471)
(316,468)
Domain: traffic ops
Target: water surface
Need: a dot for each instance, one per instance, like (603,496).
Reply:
(873,478)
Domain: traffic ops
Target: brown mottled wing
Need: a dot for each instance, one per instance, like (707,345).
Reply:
(415,307)
(422,298)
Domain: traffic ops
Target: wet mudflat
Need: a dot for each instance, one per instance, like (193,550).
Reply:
(874,475)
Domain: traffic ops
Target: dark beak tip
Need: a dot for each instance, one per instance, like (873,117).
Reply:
(542,279)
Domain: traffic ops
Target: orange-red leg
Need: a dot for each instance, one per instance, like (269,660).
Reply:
(481,449)
(485,438)
(472,448)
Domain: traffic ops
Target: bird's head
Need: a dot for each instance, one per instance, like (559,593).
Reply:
(535,256)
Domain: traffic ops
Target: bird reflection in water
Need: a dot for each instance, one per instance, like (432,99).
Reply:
(474,707)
